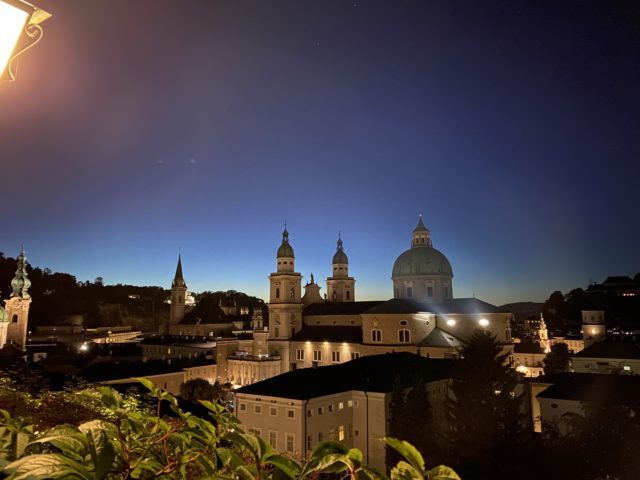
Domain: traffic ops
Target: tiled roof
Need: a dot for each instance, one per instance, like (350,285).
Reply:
(611,350)
(448,306)
(439,338)
(339,308)
(335,333)
(593,387)
(103,371)
(375,373)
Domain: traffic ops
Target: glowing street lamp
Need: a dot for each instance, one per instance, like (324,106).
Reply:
(19,30)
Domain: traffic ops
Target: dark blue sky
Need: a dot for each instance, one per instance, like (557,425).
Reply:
(139,128)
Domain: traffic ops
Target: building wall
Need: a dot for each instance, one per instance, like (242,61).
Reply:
(205,372)
(389,325)
(463,326)
(626,366)
(247,371)
(332,320)
(167,381)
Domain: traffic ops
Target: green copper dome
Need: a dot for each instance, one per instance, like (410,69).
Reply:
(4,317)
(421,261)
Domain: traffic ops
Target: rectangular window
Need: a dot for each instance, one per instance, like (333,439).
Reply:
(309,413)
(289,443)
(355,355)
(376,335)
(242,407)
(340,405)
(290,414)
(429,291)
(335,357)
(273,411)
(332,434)
(257,409)
(257,431)
(273,438)
(309,442)
(409,292)
(299,354)
(319,410)
(330,408)
(350,403)
(317,355)
(341,432)
(320,437)
(351,430)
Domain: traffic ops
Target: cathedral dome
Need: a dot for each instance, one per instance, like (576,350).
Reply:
(421,261)
(340,256)
(285,250)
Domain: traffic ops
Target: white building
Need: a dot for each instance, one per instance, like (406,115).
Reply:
(349,403)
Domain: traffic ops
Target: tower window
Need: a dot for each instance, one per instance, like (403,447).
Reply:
(429,291)
(14,319)
(277,293)
(410,292)
(334,296)
(293,293)
(446,292)
(347,295)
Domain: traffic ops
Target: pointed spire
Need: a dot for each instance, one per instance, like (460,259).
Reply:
(421,237)
(21,283)
(178,279)
(420,227)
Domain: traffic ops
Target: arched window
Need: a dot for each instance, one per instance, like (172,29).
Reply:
(409,292)
(429,291)
(446,291)
(14,319)
(376,335)
(404,335)
(277,293)
(293,292)
(334,296)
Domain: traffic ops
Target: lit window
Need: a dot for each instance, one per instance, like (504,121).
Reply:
(340,405)
(350,403)
(341,432)
(483,322)
(626,368)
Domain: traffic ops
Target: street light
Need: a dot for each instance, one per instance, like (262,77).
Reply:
(19,30)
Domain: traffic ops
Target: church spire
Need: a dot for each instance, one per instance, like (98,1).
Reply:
(178,279)
(21,282)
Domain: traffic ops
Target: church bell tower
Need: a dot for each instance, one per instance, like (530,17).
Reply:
(340,286)
(17,306)
(178,296)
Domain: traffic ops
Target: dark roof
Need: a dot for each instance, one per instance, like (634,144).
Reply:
(620,279)
(527,347)
(450,305)
(439,338)
(593,387)
(186,340)
(611,350)
(375,373)
(339,308)
(333,333)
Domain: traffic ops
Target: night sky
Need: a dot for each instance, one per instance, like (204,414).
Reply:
(138,129)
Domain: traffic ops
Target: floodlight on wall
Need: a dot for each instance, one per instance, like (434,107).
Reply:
(19,31)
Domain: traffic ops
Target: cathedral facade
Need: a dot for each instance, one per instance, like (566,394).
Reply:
(307,330)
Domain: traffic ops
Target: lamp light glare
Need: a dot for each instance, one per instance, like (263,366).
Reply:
(451,322)
(483,322)
(12,22)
